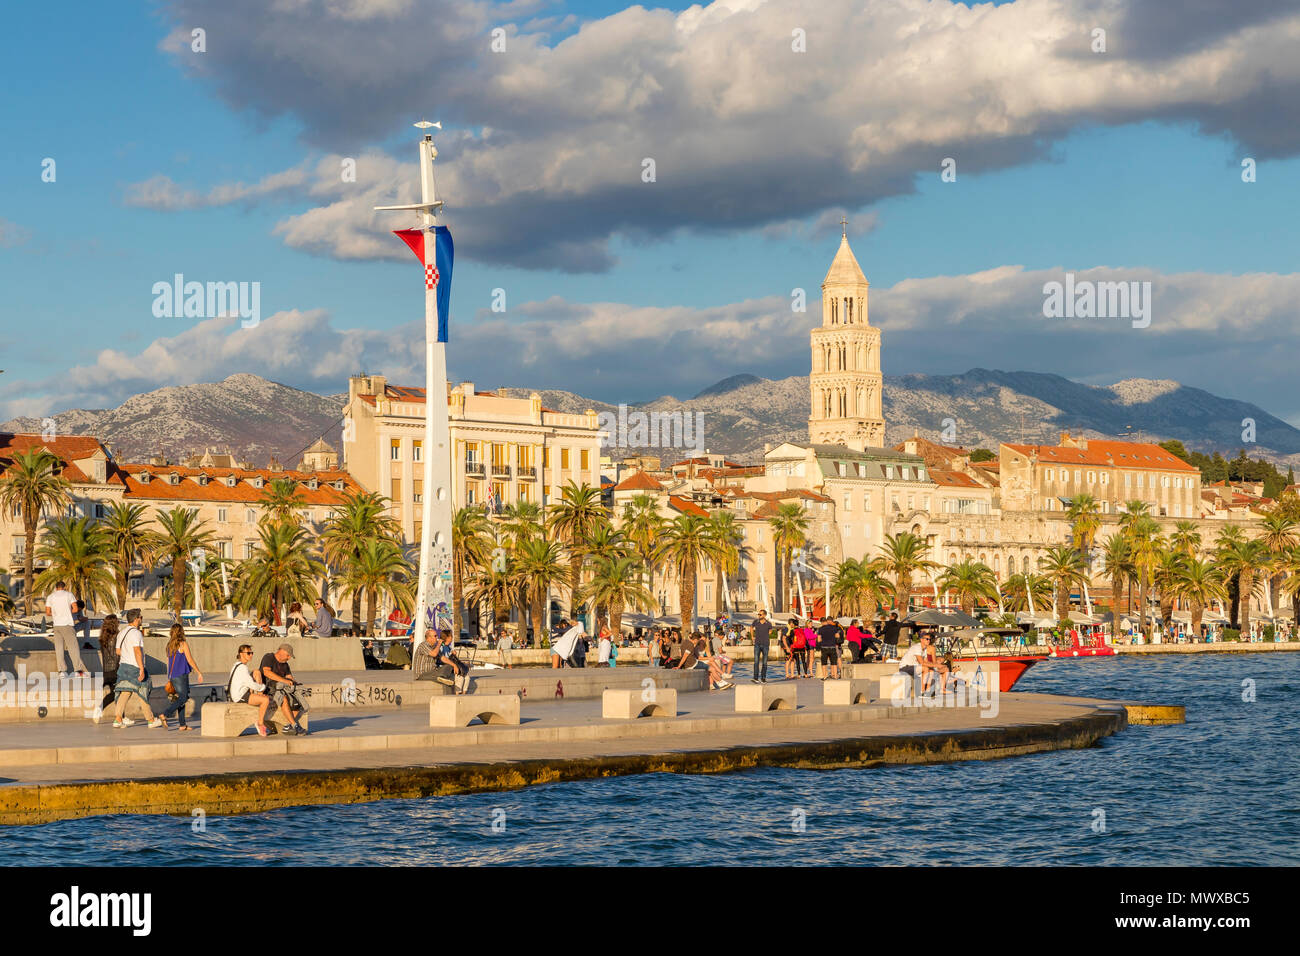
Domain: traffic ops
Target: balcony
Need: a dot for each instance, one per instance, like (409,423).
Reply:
(500,471)
(474,469)
(527,472)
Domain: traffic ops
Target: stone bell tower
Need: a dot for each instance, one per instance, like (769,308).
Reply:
(845,380)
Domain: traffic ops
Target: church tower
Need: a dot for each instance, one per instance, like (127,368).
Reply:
(845,380)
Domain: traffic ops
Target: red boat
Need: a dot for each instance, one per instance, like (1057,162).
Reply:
(1097,647)
(1010,668)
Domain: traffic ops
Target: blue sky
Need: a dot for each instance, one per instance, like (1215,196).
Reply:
(661,291)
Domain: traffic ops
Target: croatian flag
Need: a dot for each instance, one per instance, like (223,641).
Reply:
(492,499)
(439,274)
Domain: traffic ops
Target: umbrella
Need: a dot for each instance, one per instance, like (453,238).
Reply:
(965,619)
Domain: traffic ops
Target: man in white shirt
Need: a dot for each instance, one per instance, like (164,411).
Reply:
(62,607)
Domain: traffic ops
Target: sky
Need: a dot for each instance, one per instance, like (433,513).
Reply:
(131,155)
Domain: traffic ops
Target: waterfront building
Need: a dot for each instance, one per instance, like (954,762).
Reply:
(504,449)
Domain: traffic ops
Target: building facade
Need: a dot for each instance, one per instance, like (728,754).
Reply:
(504,449)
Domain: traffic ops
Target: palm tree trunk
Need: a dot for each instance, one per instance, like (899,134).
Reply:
(356,611)
(1197,610)
(178,586)
(686,592)
(1245,589)
(1117,587)
(539,599)
(123,576)
(717,590)
(1142,604)
(575,575)
(371,597)
(28,584)
(457,617)
(616,618)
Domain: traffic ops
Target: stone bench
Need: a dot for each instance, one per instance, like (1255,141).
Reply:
(845,693)
(630,704)
(759,698)
(461,709)
(231,720)
(896,687)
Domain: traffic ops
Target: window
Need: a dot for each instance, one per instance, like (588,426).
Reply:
(20,545)
(546,456)
(826,550)
(471,453)
(584,458)
(250,515)
(221,516)
(826,526)
(471,492)
(499,458)
(419,529)
(564,459)
(397,491)
(1105,478)
(848,502)
(524,456)
(1049,474)
(395,449)
(889,471)
(893,501)
(823,506)
(525,492)
(249,548)
(1092,477)
(866,502)
(911,502)
(848,531)
(1164,481)
(224,549)
(866,532)
(708,591)
(417,493)
(417,450)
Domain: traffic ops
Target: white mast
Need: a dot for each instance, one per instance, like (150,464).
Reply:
(435,523)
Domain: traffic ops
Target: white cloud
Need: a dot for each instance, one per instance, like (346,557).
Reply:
(744,131)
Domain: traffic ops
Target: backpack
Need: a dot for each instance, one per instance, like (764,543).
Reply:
(799,642)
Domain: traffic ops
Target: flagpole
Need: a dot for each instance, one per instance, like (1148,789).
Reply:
(435,522)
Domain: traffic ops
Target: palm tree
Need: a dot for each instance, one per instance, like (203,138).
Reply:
(77,551)
(1118,565)
(126,527)
(280,501)
(901,556)
(1279,533)
(382,572)
(495,584)
(1229,536)
(1084,515)
(1021,587)
(1245,559)
(1289,564)
(789,532)
(1185,538)
(1065,568)
(572,520)
(6,599)
(606,541)
(1166,571)
(360,518)
(472,545)
(971,581)
(1146,542)
(538,567)
(687,542)
(857,585)
(642,526)
(1133,510)
(730,540)
(616,584)
(32,485)
(212,591)
(180,534)
(1200,583)
(283,568)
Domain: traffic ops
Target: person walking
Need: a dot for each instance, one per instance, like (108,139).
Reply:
(785,636)
(108,660)
(62,607)
(762,642)
(604,644)
(132,674)
(180,665)
(892,627)
(504,645)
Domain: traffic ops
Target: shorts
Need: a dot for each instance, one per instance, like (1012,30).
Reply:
(830,655)
(909,670)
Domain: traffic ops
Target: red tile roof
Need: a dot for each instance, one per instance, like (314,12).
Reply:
(189,489)
(686,507)
(67,448)
(953,479)
(1115,454)
(638,481)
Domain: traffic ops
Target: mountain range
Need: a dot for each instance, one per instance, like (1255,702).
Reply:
(256,419)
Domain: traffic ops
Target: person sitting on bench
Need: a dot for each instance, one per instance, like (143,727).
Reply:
(435,661)
(241,688)
(275,672)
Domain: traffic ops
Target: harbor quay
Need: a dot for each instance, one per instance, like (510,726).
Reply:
(370,749)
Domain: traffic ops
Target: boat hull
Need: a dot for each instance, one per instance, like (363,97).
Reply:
(1083,652)
(1010,668)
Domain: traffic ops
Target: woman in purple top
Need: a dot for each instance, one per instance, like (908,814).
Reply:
(180,665)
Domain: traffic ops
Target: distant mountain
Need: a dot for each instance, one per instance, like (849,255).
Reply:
(729,385)
(256,418)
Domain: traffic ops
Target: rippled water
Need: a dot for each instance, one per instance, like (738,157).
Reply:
(1222,789)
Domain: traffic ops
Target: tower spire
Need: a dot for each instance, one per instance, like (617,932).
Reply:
(844,227)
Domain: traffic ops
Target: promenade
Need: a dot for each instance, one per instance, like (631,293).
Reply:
(63,769)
